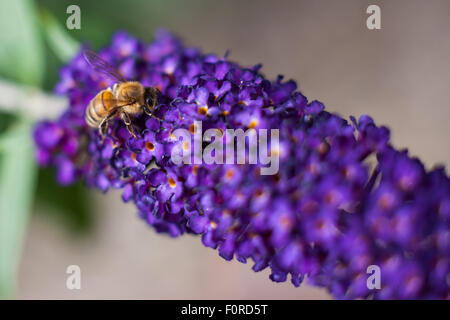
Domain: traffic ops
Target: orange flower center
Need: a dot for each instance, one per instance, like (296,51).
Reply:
(253,124)
(203,110)
(150,146)
(172,182)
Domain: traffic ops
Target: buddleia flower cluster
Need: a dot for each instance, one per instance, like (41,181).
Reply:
(342,200)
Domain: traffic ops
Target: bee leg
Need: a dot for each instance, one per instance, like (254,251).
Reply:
(126,119)
(149,112)
(103,127)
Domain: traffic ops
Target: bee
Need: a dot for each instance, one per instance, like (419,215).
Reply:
(126,99)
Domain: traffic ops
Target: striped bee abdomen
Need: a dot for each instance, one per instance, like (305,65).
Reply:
(99,108)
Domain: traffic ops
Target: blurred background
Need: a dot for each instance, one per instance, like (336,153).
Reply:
(400,75)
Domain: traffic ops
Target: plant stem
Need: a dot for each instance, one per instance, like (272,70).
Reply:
(28,100)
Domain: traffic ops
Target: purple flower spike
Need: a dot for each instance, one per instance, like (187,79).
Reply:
(327,216)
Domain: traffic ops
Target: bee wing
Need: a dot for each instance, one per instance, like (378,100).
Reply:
(103,66)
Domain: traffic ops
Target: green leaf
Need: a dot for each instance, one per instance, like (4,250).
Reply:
(21,50)
(59,40)
(17,179)
(6,119)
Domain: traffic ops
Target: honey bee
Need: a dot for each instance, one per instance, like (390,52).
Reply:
(126,99)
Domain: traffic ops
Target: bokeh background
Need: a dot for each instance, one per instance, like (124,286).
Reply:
(399,75)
